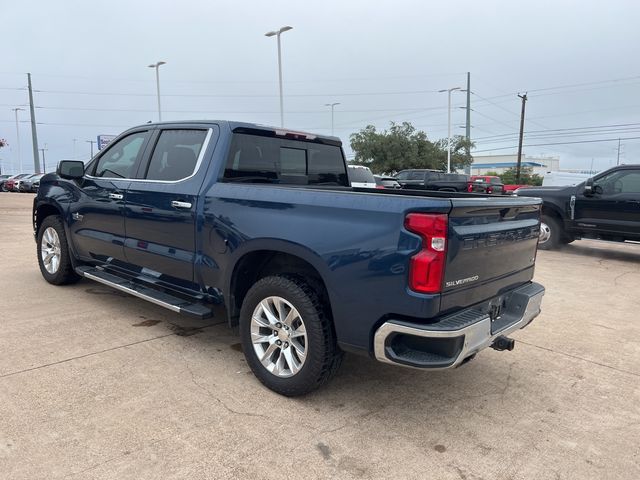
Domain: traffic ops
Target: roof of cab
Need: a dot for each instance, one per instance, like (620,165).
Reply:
(233,126)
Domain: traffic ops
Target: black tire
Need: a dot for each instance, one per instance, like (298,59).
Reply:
(555,235)
(323,357)
(64,274)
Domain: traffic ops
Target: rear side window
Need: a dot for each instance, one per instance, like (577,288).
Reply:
(175,155)
(418,176)
(257,159)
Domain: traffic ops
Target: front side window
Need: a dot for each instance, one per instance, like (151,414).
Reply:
(175,155)
(120,159)
(621,181)
(403,176)
(258,159)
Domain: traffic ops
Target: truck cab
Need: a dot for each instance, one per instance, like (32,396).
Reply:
(604,207)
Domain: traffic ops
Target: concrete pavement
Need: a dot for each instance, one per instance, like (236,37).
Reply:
(95,384)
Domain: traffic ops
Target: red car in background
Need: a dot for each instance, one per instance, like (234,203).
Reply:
(10,183)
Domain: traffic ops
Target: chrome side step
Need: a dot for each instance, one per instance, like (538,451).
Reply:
(157,297)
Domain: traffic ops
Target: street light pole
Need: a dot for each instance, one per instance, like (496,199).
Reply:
(74,148)
(277,34)
(16,110)
(157,67)
(449,90)
(44,163)
(332,105)
(91,142)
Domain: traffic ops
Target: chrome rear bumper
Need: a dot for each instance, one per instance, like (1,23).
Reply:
(455,338)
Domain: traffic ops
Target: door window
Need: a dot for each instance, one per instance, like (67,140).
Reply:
(175,155)
(120,159)
(621,181)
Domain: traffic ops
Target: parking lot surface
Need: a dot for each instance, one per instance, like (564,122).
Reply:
(98,384)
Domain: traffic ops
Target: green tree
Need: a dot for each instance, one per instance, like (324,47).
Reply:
(402,146)
(527,177)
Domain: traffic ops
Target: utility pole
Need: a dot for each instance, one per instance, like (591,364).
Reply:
(74,148)
(468,124)
(34,134)
(16,110)
(618,160)
(518,166)
(91,142)
(44,164)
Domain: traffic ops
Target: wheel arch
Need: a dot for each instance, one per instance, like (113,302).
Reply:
(270,259)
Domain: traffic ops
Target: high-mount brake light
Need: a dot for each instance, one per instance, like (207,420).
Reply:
(295,135)
(426,270)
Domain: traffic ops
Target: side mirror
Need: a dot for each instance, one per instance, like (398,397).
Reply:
(597,189)
(70,169)
(588,187)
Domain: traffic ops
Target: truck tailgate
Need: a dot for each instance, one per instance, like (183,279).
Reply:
(491,248)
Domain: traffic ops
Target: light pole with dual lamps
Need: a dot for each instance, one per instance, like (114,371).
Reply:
(449,90)
(332,105)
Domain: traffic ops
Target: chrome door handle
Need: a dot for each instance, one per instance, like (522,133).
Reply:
(116,196)
(177,204)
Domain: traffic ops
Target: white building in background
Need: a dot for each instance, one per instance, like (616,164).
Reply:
(499,163)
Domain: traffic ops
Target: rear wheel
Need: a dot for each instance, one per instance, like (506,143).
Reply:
(552,235)
(53,253)
(287,337)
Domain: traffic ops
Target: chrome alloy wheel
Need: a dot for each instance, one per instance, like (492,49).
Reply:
(279,337)
(545,233)
(50,250)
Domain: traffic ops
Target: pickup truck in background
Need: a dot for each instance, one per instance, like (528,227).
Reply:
(434,180)
(361,176)
(605,207)
(486,184)
(263,221)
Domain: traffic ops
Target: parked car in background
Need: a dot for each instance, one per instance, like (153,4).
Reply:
(31,183)
(386,182)
(605,207)
(361,176)
(562,179)
(3,178)
(488,184)
(423,179)
(512,189)
(12,184)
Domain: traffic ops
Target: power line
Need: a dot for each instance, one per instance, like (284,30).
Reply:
(560,143)
(234,95)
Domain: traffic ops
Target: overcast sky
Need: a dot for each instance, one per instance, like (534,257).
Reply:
(383,61)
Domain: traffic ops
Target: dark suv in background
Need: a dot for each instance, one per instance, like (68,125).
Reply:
(433,180)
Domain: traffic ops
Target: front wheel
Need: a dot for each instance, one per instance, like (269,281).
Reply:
(54,258)
(287,337)
(552,235)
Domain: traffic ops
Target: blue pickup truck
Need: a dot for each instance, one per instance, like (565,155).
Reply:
(263,221)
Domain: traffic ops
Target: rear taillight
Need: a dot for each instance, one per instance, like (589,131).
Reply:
(380,187)
(426,269)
